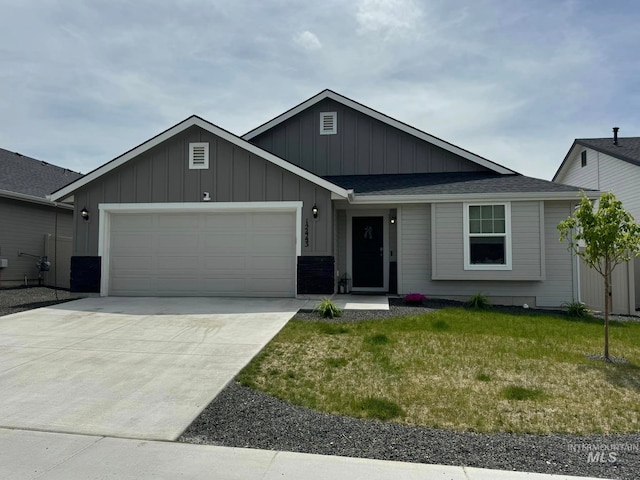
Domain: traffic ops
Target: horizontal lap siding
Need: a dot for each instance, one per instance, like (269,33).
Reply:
(525,239)
(558,287)
(414,222)
(415,250)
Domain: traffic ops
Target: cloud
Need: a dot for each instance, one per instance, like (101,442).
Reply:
(307,40)
(389,17)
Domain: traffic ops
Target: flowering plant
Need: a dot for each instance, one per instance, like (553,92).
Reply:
(414,298)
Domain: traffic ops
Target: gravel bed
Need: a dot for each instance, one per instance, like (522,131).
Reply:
(14,300)
(241,417)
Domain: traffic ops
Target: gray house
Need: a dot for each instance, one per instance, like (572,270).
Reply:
(31,225)
(329,190)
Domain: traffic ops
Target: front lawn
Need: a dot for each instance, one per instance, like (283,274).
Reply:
(459,369)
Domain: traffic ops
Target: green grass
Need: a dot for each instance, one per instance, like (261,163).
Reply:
(460,369)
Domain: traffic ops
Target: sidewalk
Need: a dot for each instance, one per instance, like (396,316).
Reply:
(26,455)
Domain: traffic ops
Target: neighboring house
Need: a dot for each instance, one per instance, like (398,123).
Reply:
(608,164)
(330,189)
(31,225)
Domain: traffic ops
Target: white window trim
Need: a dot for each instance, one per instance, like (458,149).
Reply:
(507,235)
(194,145)
(334,130)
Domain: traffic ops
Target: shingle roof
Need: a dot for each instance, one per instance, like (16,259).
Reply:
(628,148)
(446,184)
(28,176)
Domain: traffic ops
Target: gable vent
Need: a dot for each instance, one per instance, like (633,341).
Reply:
(328,123)
(198,155)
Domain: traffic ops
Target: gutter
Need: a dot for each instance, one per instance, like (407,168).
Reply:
(34,199)
(517,196)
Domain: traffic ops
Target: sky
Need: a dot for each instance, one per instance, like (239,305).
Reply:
(515,81)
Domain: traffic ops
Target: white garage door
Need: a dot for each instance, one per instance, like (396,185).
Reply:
(202,254)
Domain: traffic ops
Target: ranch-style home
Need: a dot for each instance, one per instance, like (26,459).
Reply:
(331,194)
(35,233)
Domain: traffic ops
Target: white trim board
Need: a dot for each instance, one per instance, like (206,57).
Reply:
(107,209)
(211,128)
(383,118)
(33,199)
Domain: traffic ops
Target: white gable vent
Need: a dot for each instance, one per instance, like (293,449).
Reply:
(198,155)
(328,123)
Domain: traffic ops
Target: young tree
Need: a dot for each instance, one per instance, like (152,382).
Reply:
(610,236)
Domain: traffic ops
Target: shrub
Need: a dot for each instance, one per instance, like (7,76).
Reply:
(328,309)
(577,309)
(478,302)
(414,299)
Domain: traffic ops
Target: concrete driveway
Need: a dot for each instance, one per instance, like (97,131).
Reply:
(128,367)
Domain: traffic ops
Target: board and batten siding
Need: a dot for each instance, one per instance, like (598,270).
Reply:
(361,146)
(162,175)
(415,273)
(526,244)
(24,228)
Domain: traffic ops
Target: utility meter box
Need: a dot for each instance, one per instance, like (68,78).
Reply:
(4,262)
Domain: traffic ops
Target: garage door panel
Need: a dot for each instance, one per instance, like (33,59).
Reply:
(134,222)
(225,242)
(177,241)
(128,241)
(133,263)
(177,221)
(227,220)
(228,263)
(203,254)
(272,221)
(187,263)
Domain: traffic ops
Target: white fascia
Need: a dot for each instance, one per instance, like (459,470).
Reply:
(399,199)
(382,118)
(211,128)
(33,199)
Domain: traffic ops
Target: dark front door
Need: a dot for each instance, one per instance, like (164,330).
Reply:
(367,252)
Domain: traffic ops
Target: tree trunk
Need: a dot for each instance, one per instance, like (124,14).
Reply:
(607,305)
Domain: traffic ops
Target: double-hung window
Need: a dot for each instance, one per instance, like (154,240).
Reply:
(487,236)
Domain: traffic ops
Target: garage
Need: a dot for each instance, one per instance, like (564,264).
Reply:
(198,250)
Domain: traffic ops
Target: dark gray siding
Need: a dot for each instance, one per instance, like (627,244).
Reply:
(362,146)
(162,175)
(23,229)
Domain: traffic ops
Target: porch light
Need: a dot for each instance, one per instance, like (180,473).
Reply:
(85,214)
(393,220)
(314,210)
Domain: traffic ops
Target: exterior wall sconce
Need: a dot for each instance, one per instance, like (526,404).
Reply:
(84,213)
(393,220)
(314,210)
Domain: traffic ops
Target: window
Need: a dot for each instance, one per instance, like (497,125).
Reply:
(487,236)
(198,155)
(328,123)
(583,159)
